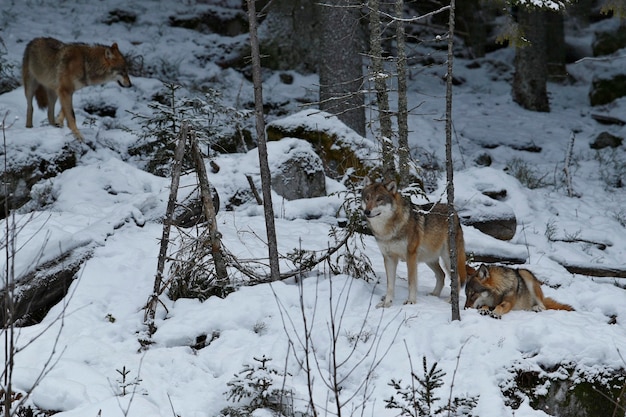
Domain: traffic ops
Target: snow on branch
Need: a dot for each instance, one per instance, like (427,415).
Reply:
(549,4)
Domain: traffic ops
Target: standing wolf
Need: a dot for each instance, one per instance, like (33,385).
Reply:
(412,234)
(496,290)
(52,69)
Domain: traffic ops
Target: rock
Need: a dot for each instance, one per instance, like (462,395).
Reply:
(606,43)
(483,160)
(561,391)
(297,171)
(215,19)
(341,149)
(490,216)
(191,213)
(502,228)
(605,90)
(20,176)
(605,140)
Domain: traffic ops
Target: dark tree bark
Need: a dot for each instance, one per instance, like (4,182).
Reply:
(472,26)
(380,76)
(531,68)
(403,124)
(555,41)
(289,34)
(341,63)
(266,176)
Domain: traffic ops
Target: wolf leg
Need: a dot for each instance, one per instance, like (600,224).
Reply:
(439,274)
(67,110)
(391,264)
(411,266)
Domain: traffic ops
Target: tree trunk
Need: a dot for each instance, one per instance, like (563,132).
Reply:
(531,68)
(452,223)
(403,125)
(471,22)
(341,63)
(555,37)
(209,213)
(153,300)
(289,35)
(380,85)
(266,177)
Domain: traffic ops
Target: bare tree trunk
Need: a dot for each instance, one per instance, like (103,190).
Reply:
(341,63)
(531,68)
(9,280)
(266,177)
(167,226)
(209,213)
(454,274)
(380,85)
(403,125)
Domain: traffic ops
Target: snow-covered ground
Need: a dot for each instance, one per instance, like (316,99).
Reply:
(108,200)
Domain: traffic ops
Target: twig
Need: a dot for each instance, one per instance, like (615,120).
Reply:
(255,192)
(456,368)
(568,159)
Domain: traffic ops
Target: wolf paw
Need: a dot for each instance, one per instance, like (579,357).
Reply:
(484,311)
(384,304)
(538,308)
(409,302)
(495,315)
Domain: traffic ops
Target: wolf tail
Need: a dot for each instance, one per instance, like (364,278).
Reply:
(555,305)
(461,257)
(41,97)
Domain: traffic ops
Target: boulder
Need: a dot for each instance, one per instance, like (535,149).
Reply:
(605,90)
(606,140)
(341,149)
(490,215)
(606,43)
(297,171)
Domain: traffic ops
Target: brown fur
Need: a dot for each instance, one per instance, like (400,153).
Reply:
(51,69)
(412,234)
(496,290)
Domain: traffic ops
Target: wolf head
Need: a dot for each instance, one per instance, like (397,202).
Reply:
(378,200)
(476,293)
(116,66)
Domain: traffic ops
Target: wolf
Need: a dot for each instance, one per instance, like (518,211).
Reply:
(51,69)
(410,233)
(496,290)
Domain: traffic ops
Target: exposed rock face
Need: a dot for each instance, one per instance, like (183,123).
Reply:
(563,392)
(19,177)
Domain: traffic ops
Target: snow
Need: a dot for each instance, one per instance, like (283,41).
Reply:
(87,340)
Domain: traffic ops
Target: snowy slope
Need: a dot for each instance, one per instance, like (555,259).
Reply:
(108,200)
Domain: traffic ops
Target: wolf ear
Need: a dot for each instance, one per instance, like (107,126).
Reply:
(392,187)
(483,272)
(114,47)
